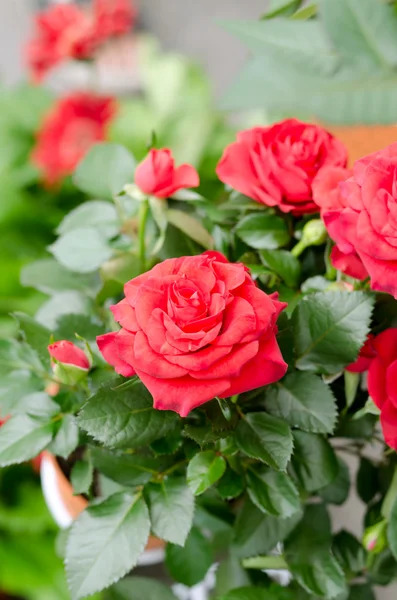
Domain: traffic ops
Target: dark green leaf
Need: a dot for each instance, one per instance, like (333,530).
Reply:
(49,276)
(349,552)
(309,557)
(304,401)
(357,428)
(36,335)
(171,506)
(190,226)
(139,588)
(97,214)
(367,480)
(127,469)
(256,533)
(70,324)
(314,462)
(263,231)
(230,575)
(283,263)
(67,437)
(282,8)
(330,328)
(383,569)
(81,476)
(120,416)
(248,593)
(105,170)
(22,438)
(337,492)
(204,470)
(361,592)
(272,492)
(105,543)
(231,485)
(265,438)
(392,530)
(189,565)
(81,250)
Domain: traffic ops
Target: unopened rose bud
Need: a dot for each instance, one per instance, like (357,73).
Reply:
(375,539)
(314,233)
(340,286)
(71,364)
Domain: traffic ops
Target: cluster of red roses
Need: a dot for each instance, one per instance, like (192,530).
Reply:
(66,31)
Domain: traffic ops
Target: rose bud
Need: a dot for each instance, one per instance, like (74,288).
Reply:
(375,539)
(157,175)
(70,364)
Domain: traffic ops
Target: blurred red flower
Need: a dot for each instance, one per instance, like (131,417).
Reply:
(113,17)
(74,124)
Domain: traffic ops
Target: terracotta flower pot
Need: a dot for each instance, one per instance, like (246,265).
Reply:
(363,140)
(65,507)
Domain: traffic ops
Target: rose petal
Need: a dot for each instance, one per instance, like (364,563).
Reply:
(125,315)
(377,382)
(146,360)
(232,364)
(109,348)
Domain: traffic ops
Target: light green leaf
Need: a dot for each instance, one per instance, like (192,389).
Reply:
(189,565)
(37,404)
(120,416)
(139,588)
(392,529)
(81,477)
(67,437)
(263,231)
(282,8)
(105,543)
(82,250)
(283,263)
(50,277)
(191,227)
(62,303)
(265,438)
(314,462)
(36,335)
(330,328)
(105,170)
(171,506)
(204,470)
(22,438)
(249,593)
(97,214)
(303,400)
(272,492)
(69,325)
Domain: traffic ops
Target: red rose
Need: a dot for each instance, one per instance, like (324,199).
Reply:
(276,165)
(327,195)
(382,383)
(157,175)
(368,223)
(194,328)
(365,357)
(68,353)
(113,17)
(63,31)
(68,132)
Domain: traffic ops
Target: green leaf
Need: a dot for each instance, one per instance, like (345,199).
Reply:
(50,277)
(171,506)
(330,328)
(354,25)
(105,543)
(256,533)
(230,574)
(392,529)
(81,250)
(231,485)
(67,438)
(248,593)
(282,8)
(105,170)
(283,263)
(17,356)
(263,231)
(139,588)
(22,438)
(123,416)
(189,565)
(272,492)
(190,226)
(126,469)
(97,214)
(349,552)
(81,477)
(361,592)
(204,470)
(36,335)
(265,438)
(303,400)
(309,557)
(70,324)
(367,483)
(337,492)
(314,462)
(38,404)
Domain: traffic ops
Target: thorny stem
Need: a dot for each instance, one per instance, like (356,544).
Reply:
(143,215)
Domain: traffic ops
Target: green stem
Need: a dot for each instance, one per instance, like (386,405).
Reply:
(265,562)
(299,248)
(234,399)
(143,215)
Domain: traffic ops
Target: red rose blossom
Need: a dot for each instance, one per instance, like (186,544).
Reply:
(67,353)
(276,165)
(157,175)
(74,124)
(113,17)
(194,328)
(63,31)
(367,225)
(382,383)
(327,195)
(365,357)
